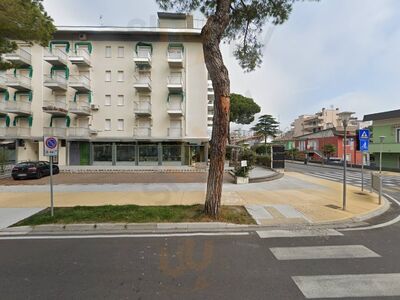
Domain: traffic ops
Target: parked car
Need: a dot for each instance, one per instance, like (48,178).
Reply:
(33,169)
(335,161)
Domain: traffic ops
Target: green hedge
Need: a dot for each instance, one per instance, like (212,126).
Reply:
(263,160)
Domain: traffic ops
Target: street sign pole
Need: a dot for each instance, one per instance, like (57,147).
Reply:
(51,187)
(362,171)
(363,138)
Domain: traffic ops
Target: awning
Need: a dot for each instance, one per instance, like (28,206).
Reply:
(66,43)
(83,93)
(60,68)
(67,120)
(24,68)
(6,95)
(141,44)
(8,120)
(180,94)
(29,93)
(17,118)
(176,45)
(88,44)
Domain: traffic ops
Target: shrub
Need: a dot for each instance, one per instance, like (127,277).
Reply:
(264,160)
(262,149)
(250,157)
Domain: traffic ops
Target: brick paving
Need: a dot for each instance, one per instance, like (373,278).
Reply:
(115,178)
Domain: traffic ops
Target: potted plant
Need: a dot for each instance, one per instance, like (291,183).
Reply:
(246,163)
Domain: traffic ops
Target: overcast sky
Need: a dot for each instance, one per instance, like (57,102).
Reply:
(341,53)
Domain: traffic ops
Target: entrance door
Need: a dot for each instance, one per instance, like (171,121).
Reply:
(84,150)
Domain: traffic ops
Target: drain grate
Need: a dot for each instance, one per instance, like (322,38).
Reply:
(333,206)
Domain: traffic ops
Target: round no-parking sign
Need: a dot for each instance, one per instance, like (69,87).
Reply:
(50,145)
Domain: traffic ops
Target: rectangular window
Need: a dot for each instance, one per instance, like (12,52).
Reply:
(120,124)
(107,125)
(108,51)
(108,76)
(120,76)
(121,100)
(107,100)
(398,134)
(121,52)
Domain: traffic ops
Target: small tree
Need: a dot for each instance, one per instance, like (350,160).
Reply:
(329,149)
(23,20)
(266,126)
(243,110)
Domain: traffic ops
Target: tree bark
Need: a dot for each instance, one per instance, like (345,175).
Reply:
(211,37)
(229,133)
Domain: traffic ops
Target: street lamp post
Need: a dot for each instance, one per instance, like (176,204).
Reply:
(345,117)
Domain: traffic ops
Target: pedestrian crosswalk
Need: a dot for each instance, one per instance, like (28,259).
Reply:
(335,285)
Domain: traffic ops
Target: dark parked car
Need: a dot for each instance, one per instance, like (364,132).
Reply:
(33,169)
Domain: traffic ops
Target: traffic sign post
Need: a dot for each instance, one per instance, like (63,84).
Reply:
(50,149)
(363,137)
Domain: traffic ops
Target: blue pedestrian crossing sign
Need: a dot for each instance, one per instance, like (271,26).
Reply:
(363,134)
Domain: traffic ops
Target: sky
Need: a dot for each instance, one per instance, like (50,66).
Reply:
(340,53)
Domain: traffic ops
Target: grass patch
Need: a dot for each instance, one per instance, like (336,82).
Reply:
(136,214)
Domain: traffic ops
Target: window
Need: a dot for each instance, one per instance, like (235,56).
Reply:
(108,51)
(120,52)
(107,101)
(120,76)
(120,124)
(108,75)
(107,125)
(121,100)
(398,134)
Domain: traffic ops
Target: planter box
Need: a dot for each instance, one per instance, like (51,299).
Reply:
(241,180)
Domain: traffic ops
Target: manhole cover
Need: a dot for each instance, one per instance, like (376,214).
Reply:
(333,206)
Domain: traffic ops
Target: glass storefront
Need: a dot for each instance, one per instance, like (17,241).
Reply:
(148,155)
(172,155)
(125,154)
(102,154)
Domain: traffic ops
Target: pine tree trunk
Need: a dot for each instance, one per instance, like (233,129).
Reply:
(211,37)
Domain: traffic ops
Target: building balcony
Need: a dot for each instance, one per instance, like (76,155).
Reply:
(19,57)
(55,82)
(386,148)
(142,108)
(60,132)
(55,107)
(3,107)
(175,109)
(3,131)
(175,59)
(142,84)
(142,59)
(81,57)
(175,83)
(3,83)
(18,82)
(18,132)
(78,133)
(56,57)
(175,132)
(81,83)
(79,108)
(19,107)
(142,132)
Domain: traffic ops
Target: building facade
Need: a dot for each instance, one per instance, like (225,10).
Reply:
(112,95)
(386,124)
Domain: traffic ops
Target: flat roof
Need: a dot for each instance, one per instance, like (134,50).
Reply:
(168,15)
(392,114)
(129,30)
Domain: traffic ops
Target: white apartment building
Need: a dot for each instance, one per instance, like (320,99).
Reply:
(112,95)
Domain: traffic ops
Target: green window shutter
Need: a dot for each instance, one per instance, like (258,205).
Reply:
(66,43)
(68,121)
(7,117)
(24,68)
(6,96)
(17,118)
(88,44)
(30,121)
(141,44)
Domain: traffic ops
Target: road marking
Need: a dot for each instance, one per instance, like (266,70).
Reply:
(297,233)
(100,236)
(322,252)
(341,286)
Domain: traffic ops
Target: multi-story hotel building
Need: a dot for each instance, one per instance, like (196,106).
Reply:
(112,95)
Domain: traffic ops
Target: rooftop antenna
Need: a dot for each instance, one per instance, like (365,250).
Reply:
(101,20)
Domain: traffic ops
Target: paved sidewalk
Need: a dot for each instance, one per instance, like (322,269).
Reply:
(295,198)
(10,216)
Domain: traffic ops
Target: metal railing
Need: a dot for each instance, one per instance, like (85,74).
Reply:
(55,131)
(18,131)
(143,55)
(55,78)
(175,55)
(143,80)
(2,80)
(82,107)
(78,132)
(79,80)
(18,80)
(19,106)
(175,105)
(55,104)
(174,132)
(175,80)
(3,131)
(3,105)
(56,52)
(142,106)
(84,53)
(25,55)
(142,131)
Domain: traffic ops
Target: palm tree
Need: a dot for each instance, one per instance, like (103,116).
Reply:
(266,126)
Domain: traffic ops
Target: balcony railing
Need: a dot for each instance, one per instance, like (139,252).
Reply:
(55,82)
(175,108)
(175,59)
(142,58)
(79,82)
(143,83)
(19,82)
(19,56)
(3,131)
(56,56)
(78,132)
(175,83)
(175,132)
(142,131)
(3,107)
(19,107)
(81,57)
(3,85)
(142,107)
(55,131)
(79,108)
(55,107)
(18,131)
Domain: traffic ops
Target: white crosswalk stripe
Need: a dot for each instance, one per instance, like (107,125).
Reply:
(268,234)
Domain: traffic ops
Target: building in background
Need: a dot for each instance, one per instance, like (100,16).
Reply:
(385,124)
(113,96)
